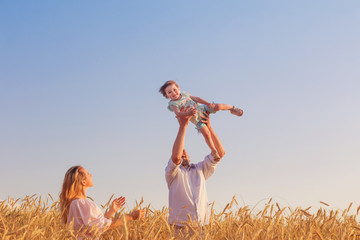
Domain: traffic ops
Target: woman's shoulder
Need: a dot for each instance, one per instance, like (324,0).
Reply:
(85,206)
(81,202)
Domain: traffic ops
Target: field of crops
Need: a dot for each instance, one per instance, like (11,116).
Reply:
(34,218)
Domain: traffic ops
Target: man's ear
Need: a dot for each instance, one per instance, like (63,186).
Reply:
(83,182)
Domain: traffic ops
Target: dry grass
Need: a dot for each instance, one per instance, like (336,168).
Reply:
(33,218)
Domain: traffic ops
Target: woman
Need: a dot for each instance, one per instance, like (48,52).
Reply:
(86,216)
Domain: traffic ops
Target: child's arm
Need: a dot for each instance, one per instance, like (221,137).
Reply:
(202,101)
(179,113)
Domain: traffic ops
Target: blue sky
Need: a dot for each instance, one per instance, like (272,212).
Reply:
(79,84)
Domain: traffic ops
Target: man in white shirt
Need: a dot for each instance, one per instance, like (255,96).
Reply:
(186,182)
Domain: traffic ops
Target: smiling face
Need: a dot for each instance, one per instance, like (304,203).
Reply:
(172,92)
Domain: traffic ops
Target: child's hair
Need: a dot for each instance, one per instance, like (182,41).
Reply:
(166,84)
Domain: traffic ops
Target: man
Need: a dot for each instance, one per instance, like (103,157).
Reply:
(186,182)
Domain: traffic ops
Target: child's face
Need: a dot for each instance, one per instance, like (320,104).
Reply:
(172,92)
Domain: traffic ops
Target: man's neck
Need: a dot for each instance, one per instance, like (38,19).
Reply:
(186,165)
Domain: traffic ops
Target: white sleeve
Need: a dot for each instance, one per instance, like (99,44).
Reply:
(85,213)
(208,166)
(171,171)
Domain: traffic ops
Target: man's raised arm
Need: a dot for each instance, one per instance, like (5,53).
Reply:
(178,146)
(218,145)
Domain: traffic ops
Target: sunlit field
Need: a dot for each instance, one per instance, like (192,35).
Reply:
(37,218)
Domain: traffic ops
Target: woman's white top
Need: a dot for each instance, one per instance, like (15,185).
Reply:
(85,213)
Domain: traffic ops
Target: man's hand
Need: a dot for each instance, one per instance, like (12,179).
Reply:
(185,118)
(205,118)
(191,112)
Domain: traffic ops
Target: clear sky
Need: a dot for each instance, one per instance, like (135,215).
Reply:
(79,84)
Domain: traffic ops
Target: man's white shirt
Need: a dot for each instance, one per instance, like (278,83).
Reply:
(187,191)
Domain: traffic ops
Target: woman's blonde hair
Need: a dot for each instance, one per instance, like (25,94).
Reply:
(70,189)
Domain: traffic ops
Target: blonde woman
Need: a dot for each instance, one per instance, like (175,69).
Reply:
(88,219)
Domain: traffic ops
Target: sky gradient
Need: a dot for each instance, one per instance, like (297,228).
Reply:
(79,84)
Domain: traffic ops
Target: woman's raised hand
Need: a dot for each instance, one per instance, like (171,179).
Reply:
(118,203)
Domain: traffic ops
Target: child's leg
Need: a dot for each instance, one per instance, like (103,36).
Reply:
(207,135)
(234,110)
(221,107)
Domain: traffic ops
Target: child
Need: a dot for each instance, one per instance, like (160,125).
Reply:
(197,106)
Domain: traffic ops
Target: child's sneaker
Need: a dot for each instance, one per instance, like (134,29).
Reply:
(236,111)
(215,156)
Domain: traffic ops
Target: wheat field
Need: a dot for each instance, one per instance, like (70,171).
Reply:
(35,218)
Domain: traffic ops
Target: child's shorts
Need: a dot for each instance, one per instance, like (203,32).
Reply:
(199,125)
